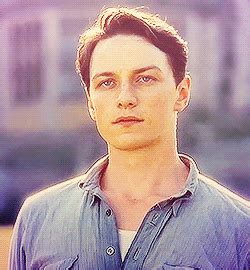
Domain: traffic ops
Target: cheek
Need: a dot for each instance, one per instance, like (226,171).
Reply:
(102,110)
(102,100)
(160,103)
(97,103)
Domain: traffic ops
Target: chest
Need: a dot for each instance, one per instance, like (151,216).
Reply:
(129,213)
(89,238)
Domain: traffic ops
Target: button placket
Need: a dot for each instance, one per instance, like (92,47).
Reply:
(135,254)
(110,245)
(146,237)
(156,216)
(154,219)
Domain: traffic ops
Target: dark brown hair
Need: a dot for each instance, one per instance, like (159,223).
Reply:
(122,20)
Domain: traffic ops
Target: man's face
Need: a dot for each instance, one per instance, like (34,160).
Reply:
(132,94)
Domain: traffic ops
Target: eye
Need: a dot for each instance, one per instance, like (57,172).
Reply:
(109,83)
(145,79)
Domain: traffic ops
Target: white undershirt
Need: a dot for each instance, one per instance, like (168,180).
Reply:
(126,238)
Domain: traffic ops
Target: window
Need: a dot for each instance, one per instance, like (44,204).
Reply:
(70,88)
(25,58)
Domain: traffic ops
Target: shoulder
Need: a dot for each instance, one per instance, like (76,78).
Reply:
(222,205)
(225,214)
(217,193)
(54,197)
(48,212)
(62,197)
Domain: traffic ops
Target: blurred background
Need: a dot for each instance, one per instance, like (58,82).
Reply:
(46,134)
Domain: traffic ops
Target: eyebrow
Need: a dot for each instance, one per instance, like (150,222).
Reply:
(136,71)
(140,70)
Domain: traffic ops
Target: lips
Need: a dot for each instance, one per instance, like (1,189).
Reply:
(128,120)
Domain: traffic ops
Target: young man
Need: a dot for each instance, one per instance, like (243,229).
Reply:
(143,206)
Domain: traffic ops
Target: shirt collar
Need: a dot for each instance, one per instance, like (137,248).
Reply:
(91,181)
(188,191)
(191,182)
(92,177)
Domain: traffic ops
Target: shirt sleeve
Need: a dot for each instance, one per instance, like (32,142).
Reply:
(17,257)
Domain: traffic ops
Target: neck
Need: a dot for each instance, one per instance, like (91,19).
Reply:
(149,171)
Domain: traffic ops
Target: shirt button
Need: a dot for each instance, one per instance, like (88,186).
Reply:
(108,212)
(110,250)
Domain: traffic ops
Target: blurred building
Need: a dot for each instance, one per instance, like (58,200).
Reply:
(241,56)
(45,131)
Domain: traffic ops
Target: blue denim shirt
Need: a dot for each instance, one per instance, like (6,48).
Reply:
(71,226)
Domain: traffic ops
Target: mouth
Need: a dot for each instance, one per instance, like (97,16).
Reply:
(127,120)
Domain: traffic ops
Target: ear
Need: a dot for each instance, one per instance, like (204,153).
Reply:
(91,108)
(183,94)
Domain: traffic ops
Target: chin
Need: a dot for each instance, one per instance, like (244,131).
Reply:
(131,145)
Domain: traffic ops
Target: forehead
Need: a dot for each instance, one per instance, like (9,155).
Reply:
(126,53)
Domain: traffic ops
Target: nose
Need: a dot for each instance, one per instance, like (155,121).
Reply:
(126,98)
